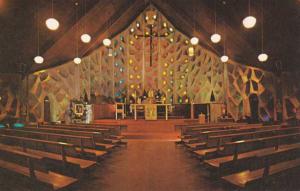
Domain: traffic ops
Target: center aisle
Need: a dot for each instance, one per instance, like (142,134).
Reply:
(148,165)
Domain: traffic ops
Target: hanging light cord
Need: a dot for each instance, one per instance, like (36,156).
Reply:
(215,3)
(249,6)
(52,8)
(76,28)
(262,25)
(194,21)
(224,44)
(84,27)
(38,31)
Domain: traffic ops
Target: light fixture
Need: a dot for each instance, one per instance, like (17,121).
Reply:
(76,60)
(106,42)
(249,21)
(215,38)
(224,57)
(38,59)
(262,57)
(51,22)
(194,40)
(85,38)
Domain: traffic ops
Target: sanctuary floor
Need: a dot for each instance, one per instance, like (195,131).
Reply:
(150,165)
(150,162)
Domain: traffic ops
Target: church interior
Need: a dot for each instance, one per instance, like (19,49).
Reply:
(149,95)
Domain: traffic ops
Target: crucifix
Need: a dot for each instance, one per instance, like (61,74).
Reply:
(151,18)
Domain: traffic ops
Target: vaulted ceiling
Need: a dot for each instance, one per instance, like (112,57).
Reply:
(104,18)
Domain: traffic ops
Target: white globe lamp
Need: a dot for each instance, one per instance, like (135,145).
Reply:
(85,38)
(263,57)
(77,60)
(52,24)
(249,22)
(38,60)
(215,38)
(106,42)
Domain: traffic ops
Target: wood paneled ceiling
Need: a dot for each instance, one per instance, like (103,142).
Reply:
(108,17)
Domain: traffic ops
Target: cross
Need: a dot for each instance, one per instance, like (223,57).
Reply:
(151,35)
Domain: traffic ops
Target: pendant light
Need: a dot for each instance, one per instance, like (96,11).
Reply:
(76,60)
(107,42)
(224,57)
(194,40)
(249,21)
(85,38)
(52,23)
(38,59)
(262,57)
(215,38)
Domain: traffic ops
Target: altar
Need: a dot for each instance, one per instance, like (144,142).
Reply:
(150,110)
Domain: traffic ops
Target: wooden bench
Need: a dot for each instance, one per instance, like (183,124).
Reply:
(230,164)
(251,144)
(249,178)
(50,179)
(195,130)
(221,139)
(96,136)
(214,138)
(185,127)
(84,145)
(86,139)
(112,128)
(104,131)
(203,136)
(62,158)
(67,163)
(237,146)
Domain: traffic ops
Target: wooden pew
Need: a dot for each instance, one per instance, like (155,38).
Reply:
(49,179)
(80,142)
(250,144)
(241,146)
(104,136)
(116,129)
(185,127)
(90,129)
(203,136)
(229,164)
(250,178)
(214,138)
(97,137)
(237,126)
(62,155)
(82,139)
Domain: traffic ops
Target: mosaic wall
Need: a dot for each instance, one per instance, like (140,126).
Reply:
(180,77)
(244,81)
(9,99)
(180,74)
